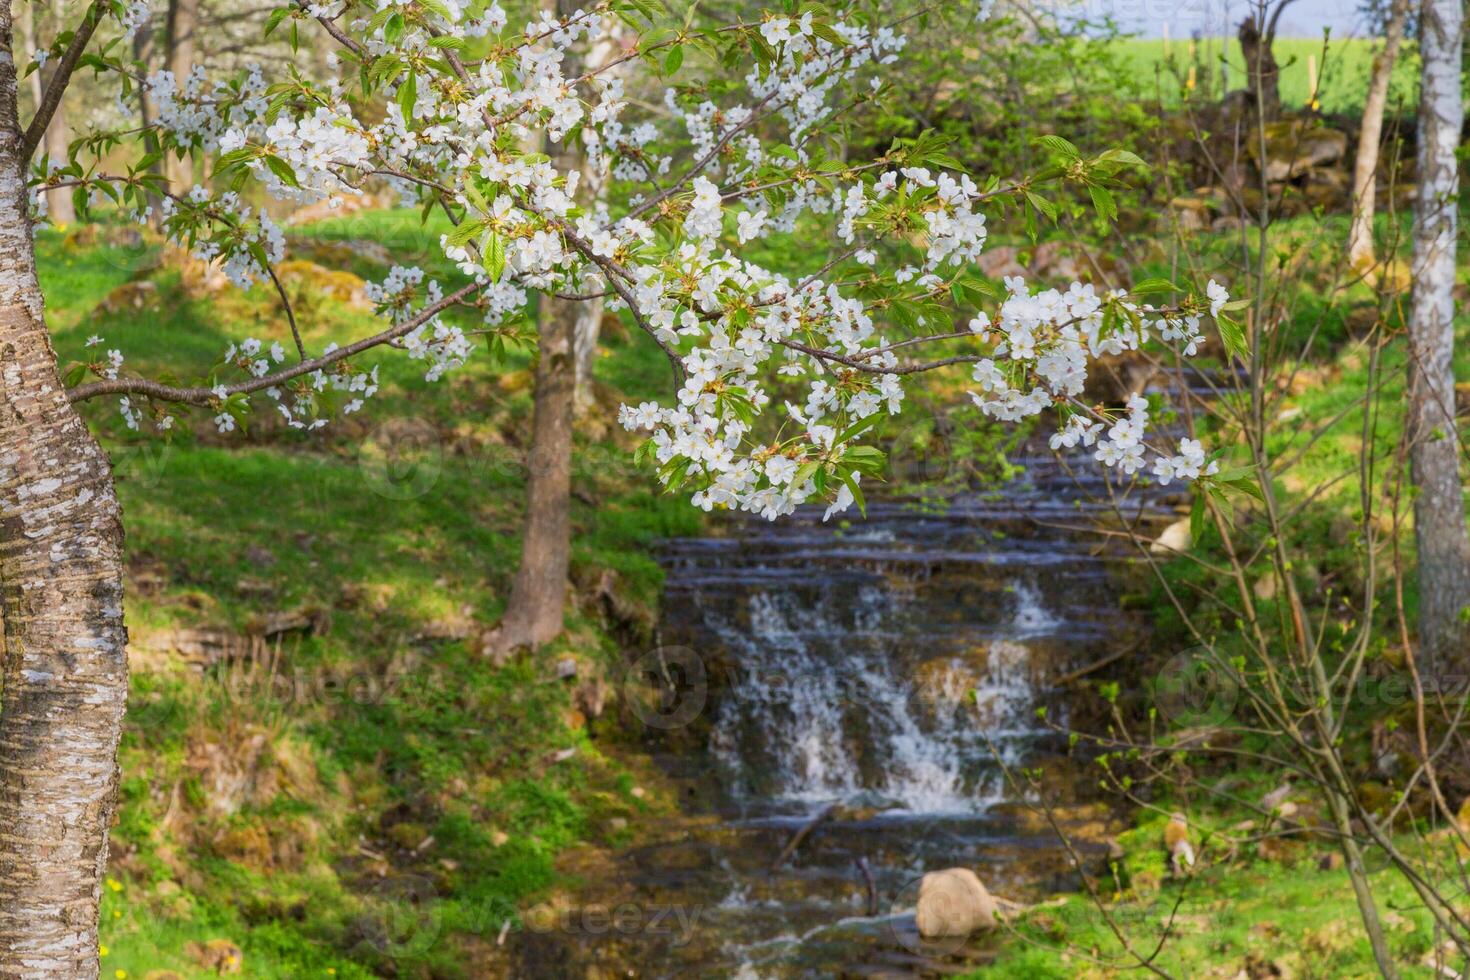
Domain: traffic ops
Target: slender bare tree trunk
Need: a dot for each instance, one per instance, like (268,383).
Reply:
(595,176)
(534,613)
(1365,169)
(182,24)
(54,142)
(1439,507)
(65,670)
(584,344)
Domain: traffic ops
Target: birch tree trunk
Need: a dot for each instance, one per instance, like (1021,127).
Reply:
(65,670)
(1365,168)
(1439,507)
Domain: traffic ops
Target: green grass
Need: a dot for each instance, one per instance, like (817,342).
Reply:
(1286,913)
(284,802)
(1343,69)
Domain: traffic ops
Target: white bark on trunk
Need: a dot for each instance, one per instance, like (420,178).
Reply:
(1370,135)
(65,669)
(1439,508)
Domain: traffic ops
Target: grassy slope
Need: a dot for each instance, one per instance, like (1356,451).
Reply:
(285,809)
(1247,917)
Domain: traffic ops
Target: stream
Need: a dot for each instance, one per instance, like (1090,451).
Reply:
(834,663)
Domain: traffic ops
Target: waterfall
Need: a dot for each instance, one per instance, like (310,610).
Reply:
(839,694)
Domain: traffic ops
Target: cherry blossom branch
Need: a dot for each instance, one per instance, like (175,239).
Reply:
(203,396)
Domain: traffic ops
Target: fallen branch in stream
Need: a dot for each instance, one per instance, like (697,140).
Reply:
(1082,672)
(862,865)
(801,835)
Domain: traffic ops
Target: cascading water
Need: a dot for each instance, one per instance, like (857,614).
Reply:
(892,666)
(830,700)
(888,667)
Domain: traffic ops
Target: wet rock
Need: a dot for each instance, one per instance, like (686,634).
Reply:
(953,903)
(1174,540)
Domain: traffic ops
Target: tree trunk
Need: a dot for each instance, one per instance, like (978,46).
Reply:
(65,669)
(1263,75)
(1439,507)
(54,142)
(1365,169)
(584,345)
(183,22)
(537,599)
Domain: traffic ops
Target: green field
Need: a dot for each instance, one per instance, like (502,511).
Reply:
(1343,68)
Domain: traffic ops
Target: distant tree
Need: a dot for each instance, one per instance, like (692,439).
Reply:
(1365,168)
(1257,36)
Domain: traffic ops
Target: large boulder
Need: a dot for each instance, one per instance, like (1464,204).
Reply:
(1294,146)
(953,903)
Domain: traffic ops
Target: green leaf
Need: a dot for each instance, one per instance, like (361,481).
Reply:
(1042,204)
(1155,285)
(282,170)
(859,427)
(1197,518)
(1058,145)
(465,232)
(274,21)
(1125,157)
(673,59)
(1233,334)
(1102,200)
(408,94)
(494,258)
